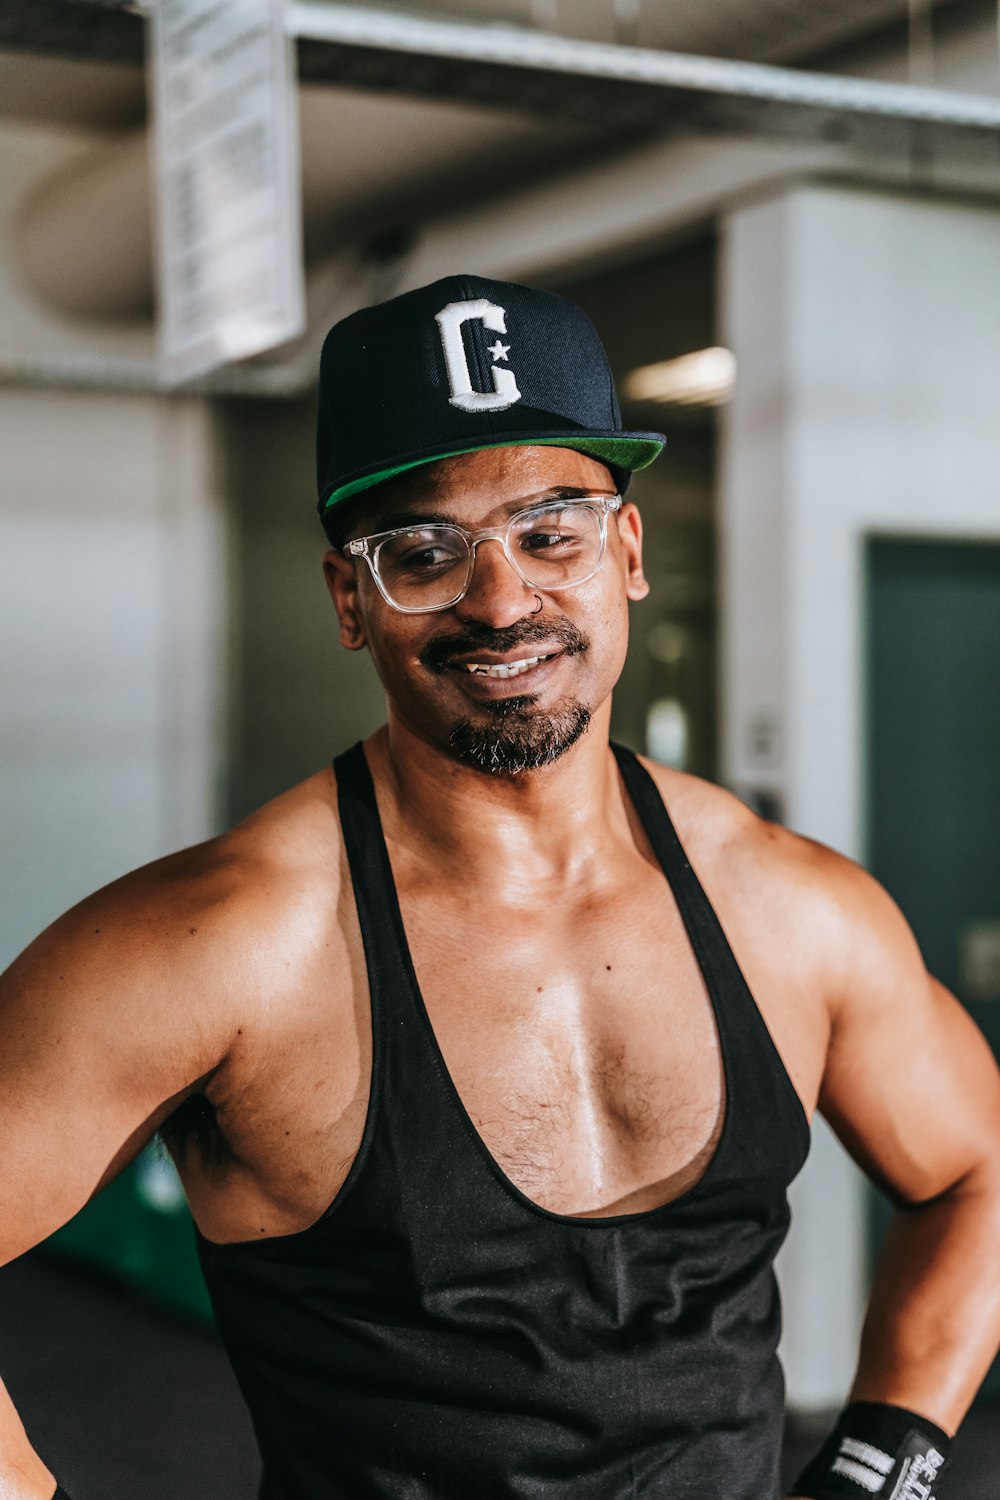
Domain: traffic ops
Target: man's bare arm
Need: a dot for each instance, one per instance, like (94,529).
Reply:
(106,1022)
(912,1089)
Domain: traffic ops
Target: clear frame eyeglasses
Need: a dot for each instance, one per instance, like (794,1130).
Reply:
(557,544)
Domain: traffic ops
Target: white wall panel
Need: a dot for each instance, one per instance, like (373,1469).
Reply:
(111,588)
(867,333)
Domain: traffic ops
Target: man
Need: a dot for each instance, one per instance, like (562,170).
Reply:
(485,1101)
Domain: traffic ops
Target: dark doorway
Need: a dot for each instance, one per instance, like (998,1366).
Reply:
(933,760)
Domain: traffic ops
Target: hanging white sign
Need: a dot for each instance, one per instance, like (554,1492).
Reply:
(226,182)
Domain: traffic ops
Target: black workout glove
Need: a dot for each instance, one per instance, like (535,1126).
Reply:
(877,1450)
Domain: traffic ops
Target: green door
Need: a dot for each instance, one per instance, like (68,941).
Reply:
(933,759)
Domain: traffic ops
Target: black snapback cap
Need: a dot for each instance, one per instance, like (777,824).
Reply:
(463,364)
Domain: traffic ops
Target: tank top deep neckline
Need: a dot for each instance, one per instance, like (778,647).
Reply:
(709,945)
(596,1221)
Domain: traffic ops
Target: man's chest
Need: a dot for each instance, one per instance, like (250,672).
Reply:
(579,1035)
(580,1038)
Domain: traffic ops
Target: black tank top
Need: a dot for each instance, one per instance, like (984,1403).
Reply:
(438,1336)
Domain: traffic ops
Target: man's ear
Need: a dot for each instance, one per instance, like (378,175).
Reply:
(630,533)
(341,580)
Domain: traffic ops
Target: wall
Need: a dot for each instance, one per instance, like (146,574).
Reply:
(867,332)
(111,592)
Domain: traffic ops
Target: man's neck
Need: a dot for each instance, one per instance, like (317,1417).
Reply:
(520,831)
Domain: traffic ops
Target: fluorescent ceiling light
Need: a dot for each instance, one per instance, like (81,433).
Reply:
(705,378)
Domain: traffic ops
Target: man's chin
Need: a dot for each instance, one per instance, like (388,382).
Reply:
(510,737)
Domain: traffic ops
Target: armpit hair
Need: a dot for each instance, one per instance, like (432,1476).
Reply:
(194,1124)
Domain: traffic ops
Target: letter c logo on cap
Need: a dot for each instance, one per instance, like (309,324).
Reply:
(463,394)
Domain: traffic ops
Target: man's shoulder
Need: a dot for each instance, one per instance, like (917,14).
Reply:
(275,874)
(291,841)
(715,826)
(273,879)
(808,897)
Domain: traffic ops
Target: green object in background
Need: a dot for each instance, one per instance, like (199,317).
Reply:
(139,1229)
(933,761)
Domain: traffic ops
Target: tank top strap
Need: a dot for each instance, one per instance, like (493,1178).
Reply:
(737,1015)
(703,926)
(386,951)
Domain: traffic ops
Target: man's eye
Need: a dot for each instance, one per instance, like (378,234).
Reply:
(425,559)
(550,538)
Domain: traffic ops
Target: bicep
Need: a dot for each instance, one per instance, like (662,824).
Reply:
(910,1084)
(90,1064)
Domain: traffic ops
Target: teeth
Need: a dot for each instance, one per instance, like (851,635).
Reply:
(503,668)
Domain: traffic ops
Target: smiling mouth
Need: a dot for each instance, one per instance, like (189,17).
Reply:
(505,668)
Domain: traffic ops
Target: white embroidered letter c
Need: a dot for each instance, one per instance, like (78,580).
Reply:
(463,394)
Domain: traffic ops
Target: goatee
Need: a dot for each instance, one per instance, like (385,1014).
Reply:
(516,739)
(512,736)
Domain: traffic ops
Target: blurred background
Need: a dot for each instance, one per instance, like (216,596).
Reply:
(792,252)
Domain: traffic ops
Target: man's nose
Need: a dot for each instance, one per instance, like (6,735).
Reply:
(496,595)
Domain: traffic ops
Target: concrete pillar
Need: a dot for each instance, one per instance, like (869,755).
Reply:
(867,333)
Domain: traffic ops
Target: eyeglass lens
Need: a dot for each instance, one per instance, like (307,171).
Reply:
(553,547)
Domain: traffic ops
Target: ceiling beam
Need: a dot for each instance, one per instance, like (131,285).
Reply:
(503,64)
(88,30)
(630,88)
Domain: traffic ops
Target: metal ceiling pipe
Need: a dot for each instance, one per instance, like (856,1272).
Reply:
(83,237)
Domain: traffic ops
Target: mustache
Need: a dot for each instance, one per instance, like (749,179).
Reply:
(441,650)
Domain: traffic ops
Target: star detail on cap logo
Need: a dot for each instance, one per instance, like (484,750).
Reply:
(498,350)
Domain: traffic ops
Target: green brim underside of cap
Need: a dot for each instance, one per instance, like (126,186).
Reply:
(624,453)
